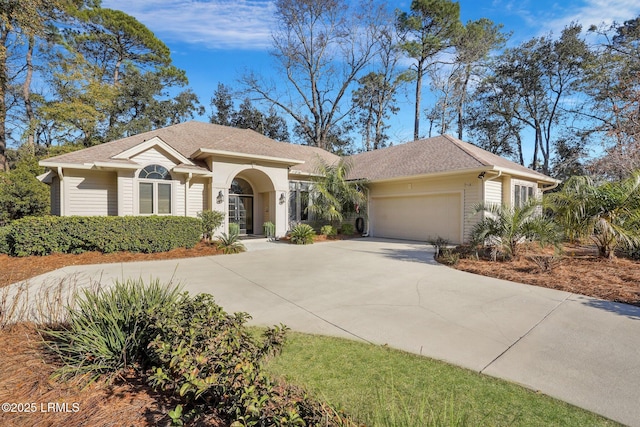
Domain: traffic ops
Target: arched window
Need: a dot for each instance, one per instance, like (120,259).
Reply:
(240,186)
(154,196)
(154,172)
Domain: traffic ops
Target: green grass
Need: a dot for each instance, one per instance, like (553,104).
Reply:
(386,387)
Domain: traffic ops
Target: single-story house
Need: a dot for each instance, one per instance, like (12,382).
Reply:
(418,190)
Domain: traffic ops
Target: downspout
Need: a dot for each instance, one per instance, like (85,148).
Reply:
(481,176)
(366,233)
(186,193)
(61,177)
(551,187)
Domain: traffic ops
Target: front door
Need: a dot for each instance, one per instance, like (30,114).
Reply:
(241,212)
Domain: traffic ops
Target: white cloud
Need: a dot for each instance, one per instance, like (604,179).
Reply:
(595,12)
(214,24)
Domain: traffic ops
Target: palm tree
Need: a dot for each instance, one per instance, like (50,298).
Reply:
(608,213)
(507,227)
(333,196)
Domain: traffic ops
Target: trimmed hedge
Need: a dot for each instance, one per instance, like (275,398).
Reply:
(5,248)
(76,234)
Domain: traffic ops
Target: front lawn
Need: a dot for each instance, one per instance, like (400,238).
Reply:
(386,387)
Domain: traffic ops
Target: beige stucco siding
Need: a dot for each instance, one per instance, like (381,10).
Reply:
(91,193)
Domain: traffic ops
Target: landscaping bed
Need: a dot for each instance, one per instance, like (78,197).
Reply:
(15,269)
(578,271)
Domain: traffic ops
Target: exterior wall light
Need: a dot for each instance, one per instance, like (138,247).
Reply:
(282,199)
(220,197)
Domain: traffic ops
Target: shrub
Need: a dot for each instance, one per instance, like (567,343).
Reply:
(45,235)
(234,228)
(269,229)
(21,194)
(302,234)
(328,230)
(208,359)
(439,243)
(347,229)
(5,247)
(230,243)
(449,257)
(107,332)
(211,220)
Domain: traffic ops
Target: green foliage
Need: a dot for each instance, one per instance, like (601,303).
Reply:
(5,246)
(608,213)
(107,331)
(505,228)
(334,196)
(21,194)
(230,243)
(302,234)
(328,230)
(448,257)
(75,234)
(347,229)
(208,359)
(269,229)
(211,220)
(234,228)
(439,243)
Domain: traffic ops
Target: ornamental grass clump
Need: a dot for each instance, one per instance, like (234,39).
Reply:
(107,329)
(302,234)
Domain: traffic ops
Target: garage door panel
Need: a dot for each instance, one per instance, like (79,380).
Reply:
(418,218)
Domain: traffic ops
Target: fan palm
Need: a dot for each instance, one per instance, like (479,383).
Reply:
(608,213)
(507,227)
(334,196)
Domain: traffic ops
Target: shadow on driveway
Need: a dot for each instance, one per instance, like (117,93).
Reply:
(630,311)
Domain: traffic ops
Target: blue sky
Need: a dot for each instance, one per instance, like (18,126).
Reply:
(218,40)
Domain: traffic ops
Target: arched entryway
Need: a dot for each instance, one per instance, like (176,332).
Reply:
(241,205)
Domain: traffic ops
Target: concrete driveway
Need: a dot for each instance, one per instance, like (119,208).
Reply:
(581,350)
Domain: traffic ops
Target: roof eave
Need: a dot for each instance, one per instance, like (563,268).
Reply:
(208,152)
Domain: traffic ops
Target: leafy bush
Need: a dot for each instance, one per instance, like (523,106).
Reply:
(209,359)
(108,331)
(439,243)
(5,246)
(21,194)
(230,243)
(302,234)
(347,229)
(269,229)
(234,228)
(210,221)
(448,257)
(328,230)
(45,235)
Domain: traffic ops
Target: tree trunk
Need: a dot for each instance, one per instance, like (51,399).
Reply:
(3,90)
(26,93)
(416,124)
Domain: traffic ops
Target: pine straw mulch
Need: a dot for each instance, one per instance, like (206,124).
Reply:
(25,379)
(16,269)
(578,271)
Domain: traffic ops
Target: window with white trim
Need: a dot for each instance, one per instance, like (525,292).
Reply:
(522,194)
(154,194)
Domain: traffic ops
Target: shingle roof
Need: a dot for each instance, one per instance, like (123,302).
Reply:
(187,138)
(426,156)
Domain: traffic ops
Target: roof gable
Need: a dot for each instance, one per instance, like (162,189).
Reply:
(154,142)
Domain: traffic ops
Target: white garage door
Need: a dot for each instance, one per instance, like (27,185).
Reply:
(417,218)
